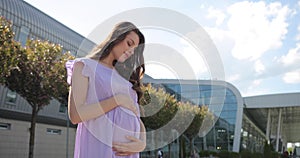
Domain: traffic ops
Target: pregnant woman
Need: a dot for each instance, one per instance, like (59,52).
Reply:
(104,96)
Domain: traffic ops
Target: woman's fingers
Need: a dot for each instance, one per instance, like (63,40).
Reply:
(122,147)
(133,146)
(127,102)
(123,153)
(119,147)
(132,138)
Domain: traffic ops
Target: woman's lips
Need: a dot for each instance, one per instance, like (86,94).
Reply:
(126,55)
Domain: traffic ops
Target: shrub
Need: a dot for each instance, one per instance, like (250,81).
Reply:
(223,154)
(234,155)
(204,153)
(246,154)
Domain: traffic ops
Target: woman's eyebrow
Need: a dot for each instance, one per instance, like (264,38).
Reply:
(132,41)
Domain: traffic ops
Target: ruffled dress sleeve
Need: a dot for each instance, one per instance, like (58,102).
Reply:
(86,71)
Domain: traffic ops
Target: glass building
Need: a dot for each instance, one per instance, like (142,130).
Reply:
(230,129)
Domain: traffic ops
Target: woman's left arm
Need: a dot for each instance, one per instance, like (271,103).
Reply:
(136,145)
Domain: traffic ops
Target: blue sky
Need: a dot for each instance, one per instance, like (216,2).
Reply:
(258,41)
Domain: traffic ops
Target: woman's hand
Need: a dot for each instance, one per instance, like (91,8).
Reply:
(124,149)
(126,102)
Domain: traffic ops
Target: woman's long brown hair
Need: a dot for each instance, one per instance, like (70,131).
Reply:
(133,68)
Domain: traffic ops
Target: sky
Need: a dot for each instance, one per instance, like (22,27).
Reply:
(258,41)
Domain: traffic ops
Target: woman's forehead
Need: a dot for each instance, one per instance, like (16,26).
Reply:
(134,37)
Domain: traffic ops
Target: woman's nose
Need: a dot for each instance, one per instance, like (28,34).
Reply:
(131,51)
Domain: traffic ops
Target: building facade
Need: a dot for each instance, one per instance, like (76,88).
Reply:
(54,134)
(222,99)
(241,123)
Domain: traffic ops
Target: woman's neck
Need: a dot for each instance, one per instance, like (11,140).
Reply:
(108,61)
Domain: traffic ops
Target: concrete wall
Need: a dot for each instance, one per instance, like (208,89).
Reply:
(15,140)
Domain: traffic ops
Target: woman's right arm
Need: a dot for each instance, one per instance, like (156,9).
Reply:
(78,111)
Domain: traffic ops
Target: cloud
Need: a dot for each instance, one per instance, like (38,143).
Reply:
(291,61)
(284,66)
(259,67)
(256,27)
(256,83)
(298,36)
(217,14)
(255,88)
(163,61)
(248,32)
(195,58)
(292,57)
(233,78)
(292,77)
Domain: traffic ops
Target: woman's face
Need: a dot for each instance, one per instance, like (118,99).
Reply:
(123,50)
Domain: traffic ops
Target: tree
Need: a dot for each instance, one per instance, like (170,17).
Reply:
(160,108)
(197,114)
(36,72)
(267,149)
(192,131)
(10,49)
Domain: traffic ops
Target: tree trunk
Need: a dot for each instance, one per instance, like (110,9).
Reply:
(32,130)
(169,152)
(191,146)
(182,153)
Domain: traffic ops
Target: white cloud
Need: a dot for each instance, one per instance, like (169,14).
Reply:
(257,27)
(223,41)
(202,6)
(217,14)
(259,67)
(256,83)
(289,65)
(298,36)
(195,59)
(292,77)
(255,89)
(233,78)
(292,58)
(158,70)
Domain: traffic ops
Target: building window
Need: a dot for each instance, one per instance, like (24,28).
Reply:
(11,97)
(5,126)
(53,131)
(63,108)
(24,32)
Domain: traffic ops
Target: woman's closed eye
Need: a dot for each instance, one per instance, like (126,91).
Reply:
(129,43)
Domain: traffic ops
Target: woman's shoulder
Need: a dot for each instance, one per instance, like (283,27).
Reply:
(85,60)
(87,67)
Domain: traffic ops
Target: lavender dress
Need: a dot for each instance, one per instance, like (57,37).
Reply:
(94,137)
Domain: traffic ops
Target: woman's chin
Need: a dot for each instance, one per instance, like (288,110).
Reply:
(122,59)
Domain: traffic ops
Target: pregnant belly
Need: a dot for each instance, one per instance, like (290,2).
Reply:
(125,124)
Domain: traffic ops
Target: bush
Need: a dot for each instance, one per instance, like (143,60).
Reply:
(257,155)
(275,154)
(213,153)
(223,154)
(204,153)
(246,154)
(234,155)
(267,150)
